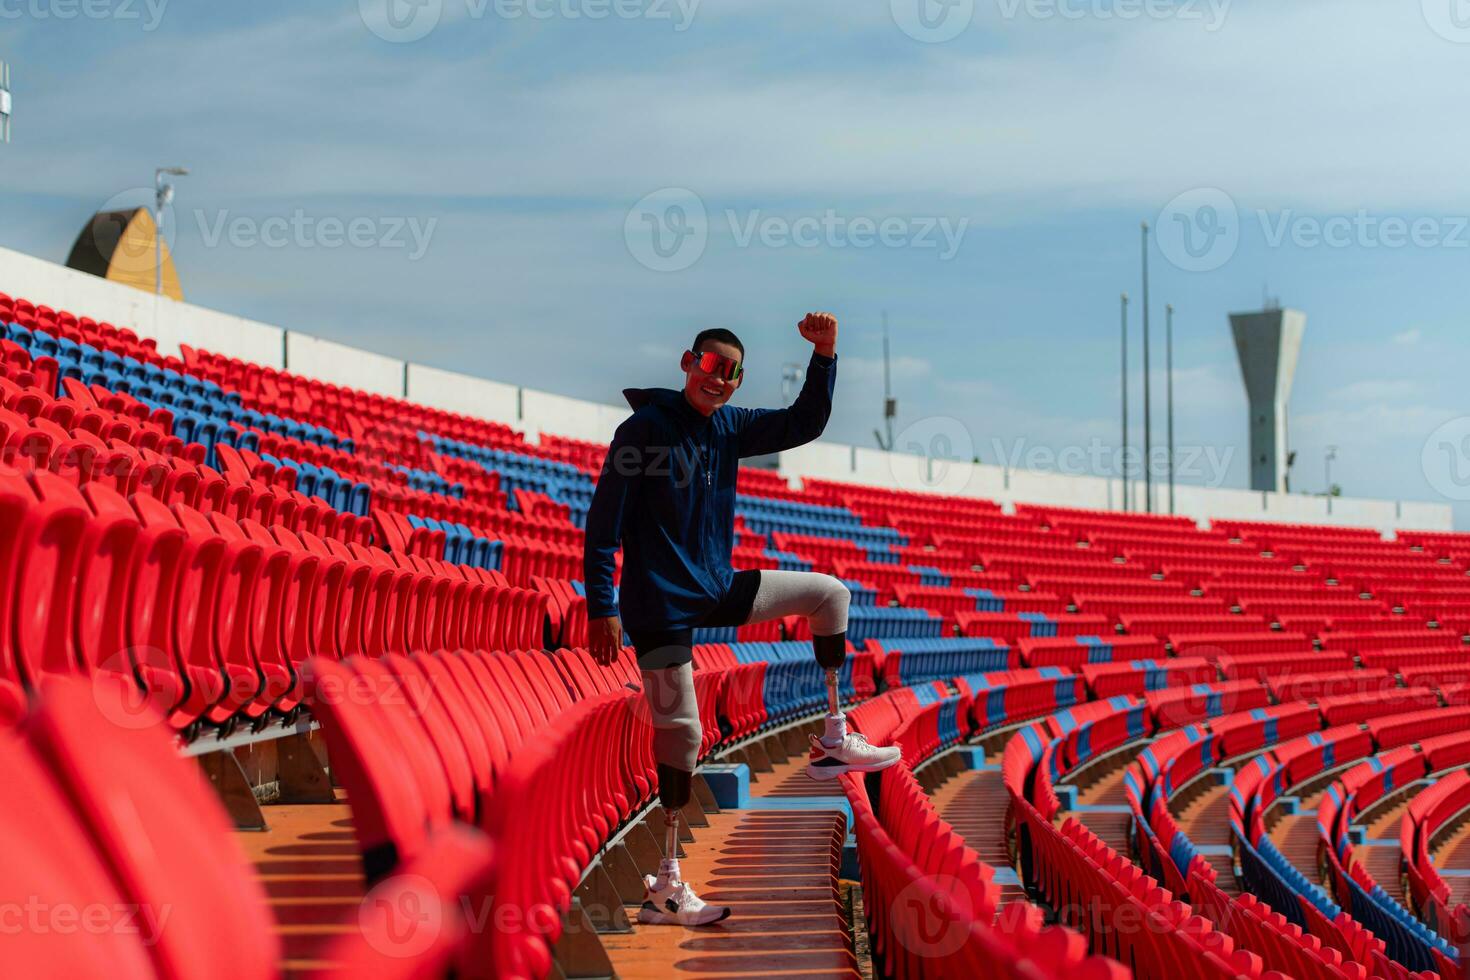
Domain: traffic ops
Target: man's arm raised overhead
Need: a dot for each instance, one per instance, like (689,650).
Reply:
(766,430)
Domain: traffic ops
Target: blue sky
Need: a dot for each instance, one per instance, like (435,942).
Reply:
(497,173)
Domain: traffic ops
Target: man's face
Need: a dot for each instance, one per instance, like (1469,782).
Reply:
(706,392)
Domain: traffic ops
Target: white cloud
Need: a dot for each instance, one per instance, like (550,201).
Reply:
(1377,393)
(1012,114)
(863,371)
(1408,338)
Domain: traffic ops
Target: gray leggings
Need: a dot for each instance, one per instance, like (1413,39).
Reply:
(669,691)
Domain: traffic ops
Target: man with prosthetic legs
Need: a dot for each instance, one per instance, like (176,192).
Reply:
(666,496)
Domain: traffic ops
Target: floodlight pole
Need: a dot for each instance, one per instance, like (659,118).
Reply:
(1169,371)
(162,194)
(1148,438)
(890,407)
(791,376)
(1123,464)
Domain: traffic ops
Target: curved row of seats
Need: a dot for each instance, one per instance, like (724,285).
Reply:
(1175,760)
(1427,890)
(1357,790)
(1292,764)
(932,904)
(1042,753)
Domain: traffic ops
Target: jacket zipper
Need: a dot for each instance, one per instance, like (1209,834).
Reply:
(707,516)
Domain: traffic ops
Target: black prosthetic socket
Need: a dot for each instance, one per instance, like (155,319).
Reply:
(831,650)
(673,787)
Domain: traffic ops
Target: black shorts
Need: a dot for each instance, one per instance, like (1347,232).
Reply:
(672,648)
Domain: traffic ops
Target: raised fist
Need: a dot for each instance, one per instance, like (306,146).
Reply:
(821,330)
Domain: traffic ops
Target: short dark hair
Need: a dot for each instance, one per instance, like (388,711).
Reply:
(720,336)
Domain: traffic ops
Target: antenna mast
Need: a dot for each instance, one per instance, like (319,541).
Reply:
(890,406)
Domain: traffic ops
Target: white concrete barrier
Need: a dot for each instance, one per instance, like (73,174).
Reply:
(465,395)
(542,411)
(339,364)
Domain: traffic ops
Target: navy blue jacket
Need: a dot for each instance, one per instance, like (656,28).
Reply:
(667,496)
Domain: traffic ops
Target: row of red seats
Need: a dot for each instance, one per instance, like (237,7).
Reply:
(1007,696)
(1013,627)
(1115,606)
(211,617)
(1264,666)
(103,336)
(1186,705)
(932,904)
(135,872)
(1068,652)
(1214,646)
(1107,680)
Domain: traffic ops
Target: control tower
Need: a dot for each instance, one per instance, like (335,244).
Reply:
(1268,344)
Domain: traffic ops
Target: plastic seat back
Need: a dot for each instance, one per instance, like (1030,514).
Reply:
(158,825)
(51,861)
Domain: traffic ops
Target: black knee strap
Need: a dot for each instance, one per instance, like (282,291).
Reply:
(831,650)
(673,787)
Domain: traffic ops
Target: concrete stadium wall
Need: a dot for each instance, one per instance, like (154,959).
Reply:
(172,323)
(342,365)
(464,394)
(541,411)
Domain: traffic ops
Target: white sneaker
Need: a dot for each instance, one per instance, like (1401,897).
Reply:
(852,754)
(670,902)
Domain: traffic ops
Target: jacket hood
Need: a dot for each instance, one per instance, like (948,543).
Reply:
(663,397)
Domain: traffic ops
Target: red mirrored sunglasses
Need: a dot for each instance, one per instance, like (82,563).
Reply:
(718,365)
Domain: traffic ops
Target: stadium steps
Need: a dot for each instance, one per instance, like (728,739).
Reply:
(974,802)
(777,864)
(1101,785)
(1204,818)
(1380,851)
(1295,836)
(310,867)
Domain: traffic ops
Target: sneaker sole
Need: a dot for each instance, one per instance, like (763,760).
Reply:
(653,917)
(824,773)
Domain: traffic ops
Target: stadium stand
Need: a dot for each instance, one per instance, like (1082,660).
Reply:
(1131,746)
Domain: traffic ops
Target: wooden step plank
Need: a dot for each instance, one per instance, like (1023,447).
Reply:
(307,861)
(776,868)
